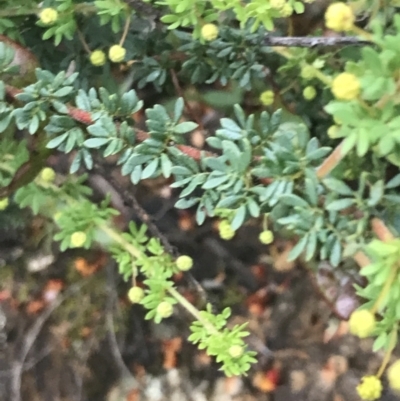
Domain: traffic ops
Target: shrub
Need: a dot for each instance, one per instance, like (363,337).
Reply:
(276,165)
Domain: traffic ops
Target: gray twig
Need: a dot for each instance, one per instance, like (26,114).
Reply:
(314,41)
(30,338)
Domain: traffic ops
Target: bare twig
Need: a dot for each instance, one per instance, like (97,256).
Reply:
(30,338)
(322,41)
(180,93)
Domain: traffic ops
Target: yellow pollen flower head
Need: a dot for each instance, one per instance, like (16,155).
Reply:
(78,239)
(3,203)
(307,72)
(209,32)
(266,237)
(333,131)
(236,351)
(393,375)
(370,388)
(98,58)
(48,174)
(339,17)
(135,294)
(286,10)
(309,93)
(48,16)
(116,53)
(277,4)
(165,309)
(346,86)
(184,263)
(225,230)
(362,323)
(267,98)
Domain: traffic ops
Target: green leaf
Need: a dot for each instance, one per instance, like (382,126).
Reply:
(185,127)
(166,165)
(179,105)
(294,200)
(253,207)
(95,142)
(311,245)
(376,193)
(394,182)
(239,217)
(56,142)
(214,180)
(298,248)
(337,186)
(150,169)
(380,341)
(340,204)
(336,253)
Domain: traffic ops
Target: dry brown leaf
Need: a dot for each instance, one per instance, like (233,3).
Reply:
(280,256)
(170,349)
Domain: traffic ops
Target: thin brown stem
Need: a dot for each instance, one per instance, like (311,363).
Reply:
(83,41)
(126,30)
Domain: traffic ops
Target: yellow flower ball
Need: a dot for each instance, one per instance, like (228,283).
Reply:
(116,53)
(286,10)
(333,131)
(393,375)
(78,239)
(135,294)
(209,32)
(339,17)
(4,203)
(370,388)
(307,72)
(98,58)
(236,351)
(277,4)
(266,237)
(184,263)
(346,86)
(48,174)
(48,16)
(267,98)
(165,309)
(362,323)
(225,230)
(309,93)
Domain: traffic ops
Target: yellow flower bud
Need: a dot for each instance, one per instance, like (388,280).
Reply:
(286,10)
(393,375)
(266,237)
(209,32)
(236,351)
(184,262)
(135,294)
(98,58)
(165,309)
(116,53)
(267,98)
(47,174)
(333,131)
(48,16)
(277,4)
(4,203)
(78,239)
(346,86)
(307,72)
(370,388)
(339,17)
(362,323)
(225,230)
(309,93)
